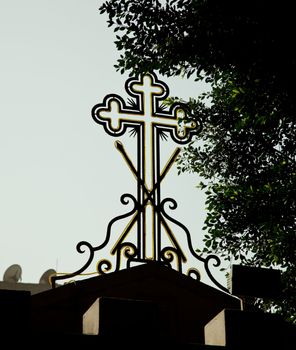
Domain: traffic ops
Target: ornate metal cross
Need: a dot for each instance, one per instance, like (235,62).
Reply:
(148,121)
(145,117)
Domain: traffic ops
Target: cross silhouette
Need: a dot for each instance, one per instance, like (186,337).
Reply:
(149,121)
(146,119)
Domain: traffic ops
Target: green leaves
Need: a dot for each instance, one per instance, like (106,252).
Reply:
(246,151)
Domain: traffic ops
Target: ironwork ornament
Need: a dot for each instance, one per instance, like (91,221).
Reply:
(146,117)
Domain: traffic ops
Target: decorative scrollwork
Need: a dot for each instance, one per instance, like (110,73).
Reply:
(209,273)
(125,200)
(169,254)
(103,266)
(194,273)
(129,250)
(173,205)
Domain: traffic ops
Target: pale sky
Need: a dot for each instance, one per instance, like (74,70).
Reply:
(61,177)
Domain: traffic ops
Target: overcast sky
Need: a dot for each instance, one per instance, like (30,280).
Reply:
(61,177)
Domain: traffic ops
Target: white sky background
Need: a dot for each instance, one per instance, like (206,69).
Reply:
(61,177)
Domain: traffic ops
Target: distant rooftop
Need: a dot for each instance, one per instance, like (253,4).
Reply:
(12,280)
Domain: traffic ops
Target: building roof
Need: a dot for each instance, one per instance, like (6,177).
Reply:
(186,305)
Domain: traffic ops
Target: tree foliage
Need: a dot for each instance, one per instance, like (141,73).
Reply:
(246,152)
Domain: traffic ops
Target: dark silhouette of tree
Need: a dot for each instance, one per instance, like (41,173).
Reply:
(246,151)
